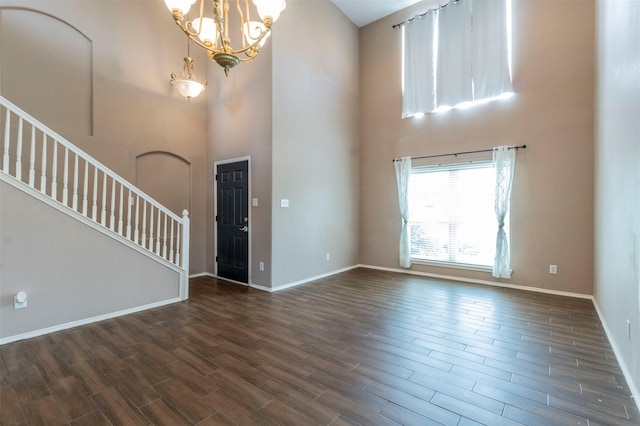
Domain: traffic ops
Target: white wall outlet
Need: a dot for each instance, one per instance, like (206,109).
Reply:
(20,300)
(261,266)
(328,256)
(254,202)
(553,269)
(284,203)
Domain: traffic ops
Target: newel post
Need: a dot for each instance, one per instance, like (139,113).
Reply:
(185,255)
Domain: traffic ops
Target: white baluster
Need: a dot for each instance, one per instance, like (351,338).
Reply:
(136,232)
(32,158)
(185,243)
(150,246)
(75,184)
(19,151)
(171,244)
(43,174)
(85,189)
(164,245)
(103,212)
(120,210)
(144,224)
(65,178)
(7,136)
(54,175)
(129,200)
(112,216)
(158,235)
(178,239)
(94,205)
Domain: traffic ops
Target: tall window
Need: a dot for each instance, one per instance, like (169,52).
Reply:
(452,217)
(455,55)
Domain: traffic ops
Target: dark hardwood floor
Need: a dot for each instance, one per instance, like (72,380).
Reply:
(362,347)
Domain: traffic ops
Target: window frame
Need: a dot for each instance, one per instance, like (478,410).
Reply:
(448,167)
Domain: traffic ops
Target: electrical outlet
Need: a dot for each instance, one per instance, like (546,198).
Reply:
(553,269)
(262,266)
(328,256)
(20,300)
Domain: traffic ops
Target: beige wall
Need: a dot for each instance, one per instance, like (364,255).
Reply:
(552,113)
(617,250)
(239,125)
(315,142)
(72,272)
(134,49)
(293,112)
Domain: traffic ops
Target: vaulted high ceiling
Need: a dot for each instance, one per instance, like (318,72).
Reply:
(363,12)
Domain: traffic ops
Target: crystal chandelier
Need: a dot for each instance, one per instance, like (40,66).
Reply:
(212,33)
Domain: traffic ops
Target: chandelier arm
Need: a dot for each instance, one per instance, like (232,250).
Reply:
(263,33)
(246,6)
(194,38)
(201,14)
(242,21)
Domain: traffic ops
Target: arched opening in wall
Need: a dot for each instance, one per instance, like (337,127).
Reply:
(46,68)
(167,178)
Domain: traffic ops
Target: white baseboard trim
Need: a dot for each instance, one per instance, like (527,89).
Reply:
(483,282)
(85,321)
(202,274)
(307,280)
(261,287)
(635,392)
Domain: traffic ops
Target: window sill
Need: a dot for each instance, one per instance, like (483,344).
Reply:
(451,265)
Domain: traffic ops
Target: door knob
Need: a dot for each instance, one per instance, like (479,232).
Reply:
(244,228)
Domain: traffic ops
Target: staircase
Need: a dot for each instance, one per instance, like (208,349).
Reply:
(42,164)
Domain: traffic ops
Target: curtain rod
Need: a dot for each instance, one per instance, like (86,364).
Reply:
(460,153)
(425,13)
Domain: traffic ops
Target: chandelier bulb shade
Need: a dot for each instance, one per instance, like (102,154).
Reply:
(210,29)
(186,82)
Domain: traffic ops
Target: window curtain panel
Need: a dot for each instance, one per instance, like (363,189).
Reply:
(403,172)
(419,66)
(504,165)
(454,67)
(491,75)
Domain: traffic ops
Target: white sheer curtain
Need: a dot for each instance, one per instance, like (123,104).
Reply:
(453,78)
(403,172)
(419,65)
(491,75)
(504,165)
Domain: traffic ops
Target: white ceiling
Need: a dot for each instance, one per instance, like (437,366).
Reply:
(363,12)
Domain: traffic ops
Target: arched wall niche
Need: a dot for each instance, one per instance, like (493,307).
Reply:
(167,178)
(46,68)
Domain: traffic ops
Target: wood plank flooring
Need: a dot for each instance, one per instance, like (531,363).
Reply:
(362,347)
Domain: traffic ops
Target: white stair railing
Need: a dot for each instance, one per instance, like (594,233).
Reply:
(74,179)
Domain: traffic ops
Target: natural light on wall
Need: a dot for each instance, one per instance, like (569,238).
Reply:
(435,81)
